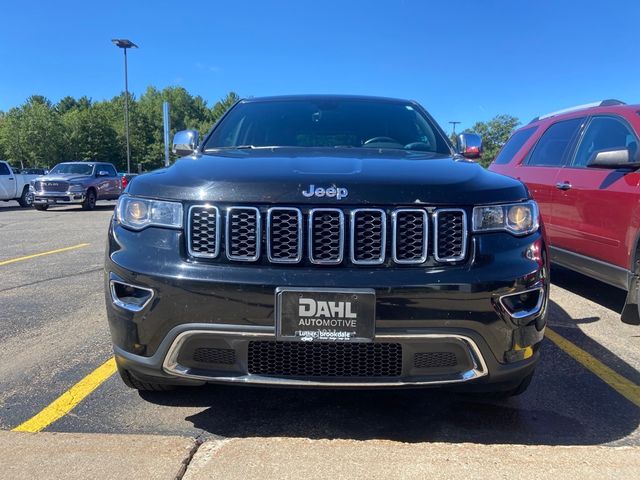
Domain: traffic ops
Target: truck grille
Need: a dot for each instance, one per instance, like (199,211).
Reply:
(301,359)
(45,186)
(318,235)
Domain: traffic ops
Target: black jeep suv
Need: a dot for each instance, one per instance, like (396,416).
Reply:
(326,241)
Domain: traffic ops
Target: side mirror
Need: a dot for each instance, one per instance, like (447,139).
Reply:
(613,158)
(102,173)
(185,142)
(470,145)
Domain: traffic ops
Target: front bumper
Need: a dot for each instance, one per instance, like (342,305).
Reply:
(53,198)
(230,308)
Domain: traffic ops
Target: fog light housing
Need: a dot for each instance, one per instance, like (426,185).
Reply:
(523,304)
(129,297)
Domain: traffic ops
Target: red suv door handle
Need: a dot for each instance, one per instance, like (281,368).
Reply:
(563,186)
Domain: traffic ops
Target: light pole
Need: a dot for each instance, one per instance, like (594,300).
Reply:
(124,45)
(454,127)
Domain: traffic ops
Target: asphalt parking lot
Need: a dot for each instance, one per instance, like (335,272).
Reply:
(55,333)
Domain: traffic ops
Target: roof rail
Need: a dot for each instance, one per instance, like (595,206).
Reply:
(602,103)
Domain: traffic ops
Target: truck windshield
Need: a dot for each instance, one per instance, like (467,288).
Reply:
(327,123)
(75,168)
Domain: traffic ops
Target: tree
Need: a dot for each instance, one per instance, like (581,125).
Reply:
(495,134)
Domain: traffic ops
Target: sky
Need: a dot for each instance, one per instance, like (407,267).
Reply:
(465,60)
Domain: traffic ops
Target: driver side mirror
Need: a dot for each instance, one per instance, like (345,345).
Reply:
(185,142)
(470,145)
(102,173)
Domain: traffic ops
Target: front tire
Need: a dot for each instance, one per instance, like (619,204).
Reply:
(41,207)
(132,382)
(89,201)
(26,199)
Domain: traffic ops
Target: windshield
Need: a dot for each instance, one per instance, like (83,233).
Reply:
(327,123)
(75,168)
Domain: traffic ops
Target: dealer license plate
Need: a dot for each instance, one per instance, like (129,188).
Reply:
(326,315)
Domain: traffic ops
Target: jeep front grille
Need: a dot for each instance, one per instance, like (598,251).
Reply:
(284,235)
(243,234)
(368,236)
(410,235)
(204,231)
(319,235)
(326,236)
(450,235)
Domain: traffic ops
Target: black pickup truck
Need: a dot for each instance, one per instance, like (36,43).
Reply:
(327,241)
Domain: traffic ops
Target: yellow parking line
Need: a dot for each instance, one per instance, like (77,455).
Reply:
(69,399)
(65,249)
(620,384)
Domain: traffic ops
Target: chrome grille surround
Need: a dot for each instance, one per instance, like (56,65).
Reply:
(245,231)
(299,235)
(337,243)
(449,246)
(375,237)
(274,223)
(51,186)
(194,252)
(397,243)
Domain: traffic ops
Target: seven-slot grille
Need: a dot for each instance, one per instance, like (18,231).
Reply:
(318,235)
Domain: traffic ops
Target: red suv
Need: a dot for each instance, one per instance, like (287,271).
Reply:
(582,166)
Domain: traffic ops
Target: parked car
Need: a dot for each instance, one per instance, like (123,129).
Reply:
(82,183)
(125,179)
(34,171)
(326,241)
(581,165)
(15,186)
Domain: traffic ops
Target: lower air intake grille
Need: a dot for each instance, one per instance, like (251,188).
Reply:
(450,235)
(435,360)
(301,359)
(220,356)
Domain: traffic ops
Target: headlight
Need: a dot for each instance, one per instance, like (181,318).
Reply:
(76,187)
(138,213)
(517,218)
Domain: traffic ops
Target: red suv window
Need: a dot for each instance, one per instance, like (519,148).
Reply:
(555,144)
(605,133)
(513,145)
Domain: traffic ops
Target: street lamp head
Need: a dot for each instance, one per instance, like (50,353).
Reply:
(123,43)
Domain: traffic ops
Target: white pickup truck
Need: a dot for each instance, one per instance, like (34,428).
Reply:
(15,186)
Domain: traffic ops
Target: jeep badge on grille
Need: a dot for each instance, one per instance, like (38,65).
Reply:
(338,192)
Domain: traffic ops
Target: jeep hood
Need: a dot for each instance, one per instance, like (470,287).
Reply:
(280,175)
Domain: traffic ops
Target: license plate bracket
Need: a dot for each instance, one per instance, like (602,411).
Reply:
(325,314)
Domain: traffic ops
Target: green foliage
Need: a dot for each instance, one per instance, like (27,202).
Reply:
(495,134)
(39,133)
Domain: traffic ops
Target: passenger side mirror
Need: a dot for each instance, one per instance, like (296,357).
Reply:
(102,173)
(613,158)
(470,145)
(185,142)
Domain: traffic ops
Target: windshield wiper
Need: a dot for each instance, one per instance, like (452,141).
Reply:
(243,147)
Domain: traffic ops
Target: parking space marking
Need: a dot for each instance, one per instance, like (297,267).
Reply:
(620,384)
(59,250)
(69,399)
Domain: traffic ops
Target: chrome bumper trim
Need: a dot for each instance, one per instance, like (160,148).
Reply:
(171,366)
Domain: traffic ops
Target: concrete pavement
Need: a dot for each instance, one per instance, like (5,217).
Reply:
(106,456)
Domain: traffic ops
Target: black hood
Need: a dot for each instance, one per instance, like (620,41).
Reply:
(279,176)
